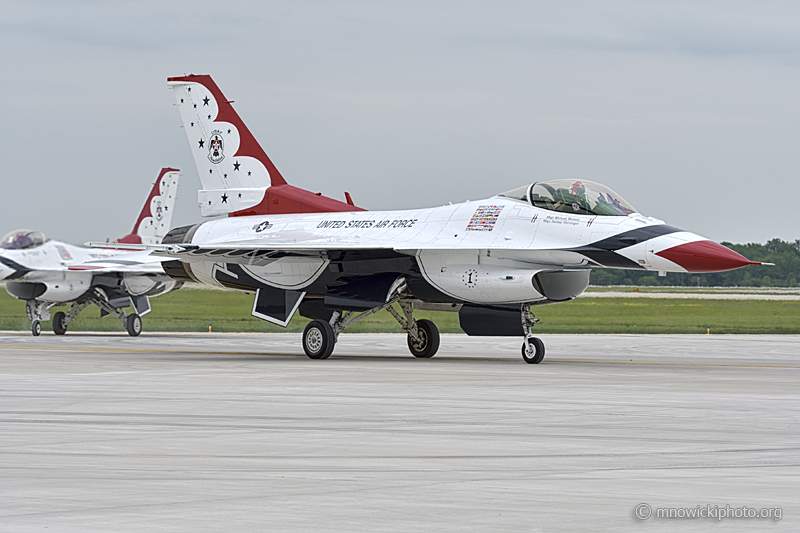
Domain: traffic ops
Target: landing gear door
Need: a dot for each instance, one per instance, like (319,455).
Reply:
(141,304)
(276,305)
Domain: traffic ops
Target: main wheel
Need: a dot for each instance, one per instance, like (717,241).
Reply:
(318,339)
(428,343)
(533,350)
(134,326)
(36,328)
(58,323)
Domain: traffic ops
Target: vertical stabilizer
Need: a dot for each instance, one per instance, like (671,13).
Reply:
(238,177)
(156,217)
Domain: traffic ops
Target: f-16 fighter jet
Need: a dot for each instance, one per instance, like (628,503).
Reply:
(492,260)
(47,273)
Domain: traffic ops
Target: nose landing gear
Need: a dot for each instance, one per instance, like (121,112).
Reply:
(532,347)
(533,350)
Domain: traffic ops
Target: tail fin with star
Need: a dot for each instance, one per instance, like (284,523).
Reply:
(156,215)
(238,177)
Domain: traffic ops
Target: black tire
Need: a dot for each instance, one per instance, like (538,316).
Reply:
(36,328)
(58,323)
(134,325)
(428,344)
(537,354)
(318,339)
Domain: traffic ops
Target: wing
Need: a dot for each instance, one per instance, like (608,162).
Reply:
(255,254)
(140,262)
(260,254)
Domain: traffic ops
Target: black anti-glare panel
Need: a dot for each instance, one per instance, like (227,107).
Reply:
(604,252)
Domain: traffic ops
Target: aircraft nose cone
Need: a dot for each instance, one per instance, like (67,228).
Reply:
(705,256)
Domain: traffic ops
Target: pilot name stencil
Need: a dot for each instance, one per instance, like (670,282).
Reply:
(549,219)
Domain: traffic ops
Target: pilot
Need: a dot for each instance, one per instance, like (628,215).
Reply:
(21,241)
(578,199)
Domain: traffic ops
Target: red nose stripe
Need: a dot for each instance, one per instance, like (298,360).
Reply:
(705,256)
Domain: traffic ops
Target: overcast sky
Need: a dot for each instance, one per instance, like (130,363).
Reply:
(689,110)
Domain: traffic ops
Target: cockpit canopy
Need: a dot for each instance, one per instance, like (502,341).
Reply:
(573,196)
(22,239)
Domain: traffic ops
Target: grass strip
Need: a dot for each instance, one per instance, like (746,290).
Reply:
(191,310)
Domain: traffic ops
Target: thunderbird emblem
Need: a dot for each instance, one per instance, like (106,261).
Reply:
(215,153)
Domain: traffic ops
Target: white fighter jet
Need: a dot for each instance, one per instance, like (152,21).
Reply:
(490,260)
(47,273)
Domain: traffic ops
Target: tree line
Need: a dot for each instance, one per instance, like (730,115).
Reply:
(785,273)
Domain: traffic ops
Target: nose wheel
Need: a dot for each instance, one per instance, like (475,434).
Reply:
(36,311)
(533,350)
(533,347)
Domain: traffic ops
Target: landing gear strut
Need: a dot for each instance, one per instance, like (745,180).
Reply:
(533,347)
(132,323)
(320,337)
(38,311)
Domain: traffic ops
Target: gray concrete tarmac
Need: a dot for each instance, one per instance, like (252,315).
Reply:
(241,432)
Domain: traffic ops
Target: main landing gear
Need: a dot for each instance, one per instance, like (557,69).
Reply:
(39,311)
(319,337)
(427,342)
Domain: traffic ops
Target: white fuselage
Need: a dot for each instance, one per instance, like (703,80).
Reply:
(505,236)
(50,265)
(55,255)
